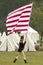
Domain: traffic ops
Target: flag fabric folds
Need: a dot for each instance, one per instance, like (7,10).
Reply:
(18,20)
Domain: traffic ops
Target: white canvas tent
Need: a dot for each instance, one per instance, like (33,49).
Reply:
(3,42)
(34,34)
(0,36)
(14,40)
(10,42)
(29,44)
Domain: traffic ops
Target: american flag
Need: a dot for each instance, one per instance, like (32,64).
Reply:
(18,20)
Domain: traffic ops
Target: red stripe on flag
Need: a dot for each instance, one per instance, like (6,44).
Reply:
(20,30)
(25,16)
(8,30)
(26,11)
(23,21)
(11,21)
(11,26)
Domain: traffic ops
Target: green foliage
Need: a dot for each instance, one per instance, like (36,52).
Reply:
(2,25)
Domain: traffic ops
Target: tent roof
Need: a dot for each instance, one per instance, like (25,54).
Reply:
(31,30)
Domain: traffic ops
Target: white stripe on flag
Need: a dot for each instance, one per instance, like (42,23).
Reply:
(14,23)
(25,27)
(23,23)
(27,18)
(24,14)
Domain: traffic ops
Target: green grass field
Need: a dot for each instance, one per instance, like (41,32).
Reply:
(33,58)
